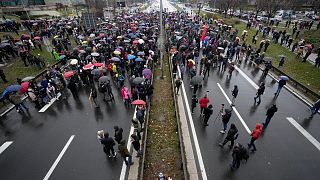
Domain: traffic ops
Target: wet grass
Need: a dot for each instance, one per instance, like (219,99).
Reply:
(163,148)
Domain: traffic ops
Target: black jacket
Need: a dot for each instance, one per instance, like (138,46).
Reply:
(108,142)
(231,133)
(260,90)
(207,112)
(271,111)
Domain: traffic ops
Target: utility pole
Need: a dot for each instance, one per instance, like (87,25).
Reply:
(161,39)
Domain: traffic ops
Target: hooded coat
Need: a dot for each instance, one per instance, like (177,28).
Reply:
(232,132)
(257,131)
(123,149)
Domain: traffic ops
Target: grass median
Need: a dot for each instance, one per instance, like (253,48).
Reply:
(163,148)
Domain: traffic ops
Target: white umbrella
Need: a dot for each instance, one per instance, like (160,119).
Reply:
(95,54)
(73,61)
(92,35)
(141,41)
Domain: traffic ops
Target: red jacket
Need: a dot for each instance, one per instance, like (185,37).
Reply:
(203,102)
(257,131)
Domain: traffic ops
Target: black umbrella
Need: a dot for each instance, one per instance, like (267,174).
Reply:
(196,80)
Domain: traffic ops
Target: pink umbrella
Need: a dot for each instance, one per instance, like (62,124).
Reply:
(138,102)
(36,38)
(98,64)
(88,66)
(24,86)
(147,73)
(102,34)
(68,74)
(135,42)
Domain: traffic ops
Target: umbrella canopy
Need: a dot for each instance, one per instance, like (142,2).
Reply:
(138,80)
(74,61)
(139,60)
(24,86)
(98,64)
(147,73)
(135,42)
(131,56)
(68,74)
(28,78)
(220,48)
(140,53)
(192,61)
(115,59)
(141,41)
(82,51)
(138,102)
(95,54)
(117,52)
(308,46)
(104,79)
(36,38)
(196,80)
(96,72)
(284,78)
(88,66)
(13,88)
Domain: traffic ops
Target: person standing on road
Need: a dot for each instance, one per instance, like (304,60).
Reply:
(118,134)
(136,144)
(315,108)
(270,112)
(194,102)
(234,92)
(203,103)
(124,152)
(73,88)
(207,113)
(225,120)
(17,102)
(178,83)
(238,153)
(137,127)
(281,83)
(93,97)
(254,136)
(259,93)
(108,143)
(231,136)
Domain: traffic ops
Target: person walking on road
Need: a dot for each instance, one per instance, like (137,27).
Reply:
(231,136)
(254,136)
(178,83)
(108,143)
(281,83)
(93,97)
(124,152)
(225,120)
(136,144)
(207,113)
(238,153)
(194,102)
(204,101)
(17,102)
(73,88)
(234,92)
(259,93)
(270,112)
(315,108)
(118,134)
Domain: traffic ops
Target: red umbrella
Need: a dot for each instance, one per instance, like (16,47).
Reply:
(308,46)
(24,86)
(68,74)
(98,64)
(132,24)
(36,38)
(102,34)
(88,66)
(135,42)
(138,102)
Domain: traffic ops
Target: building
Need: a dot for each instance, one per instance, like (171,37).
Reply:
(21,2)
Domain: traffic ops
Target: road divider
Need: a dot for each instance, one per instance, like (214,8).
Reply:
(58,158)
(4,146)
(304,132)
(235,109)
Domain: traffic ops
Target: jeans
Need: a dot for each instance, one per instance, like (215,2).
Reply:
(129,162)
(252,144)
(267,121)
(235,162)
(314,111)
(278,91)
(19,106)
(224,126)
(258,96)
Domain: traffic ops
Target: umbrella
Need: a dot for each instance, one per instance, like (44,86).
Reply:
(96,72)
(102,34)
(141,53)
(95,54)
(115,59)
(117,52)
(138,102)
(220,48)
(190,60)
(137,80)
(284,78)
(68,74)
(131,56)
(98,64)
(4,93)
(139,60)
(82,51)
(308,46)
(24,86)
(28,78)
(196,80)
(13,88)
(36,38)
(80,37)
(88,66)
(141,41)
(104,79)
(127,40)
(151,52)
(119,37)
(18,43)
(147,73)
(73,61)
(61,57)
(135,42)
(84,42)
(92,35)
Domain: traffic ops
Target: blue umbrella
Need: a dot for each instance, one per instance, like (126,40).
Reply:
(142,27)
(131,57)
(115,59)
(4,93)
(284,78)
(13,88)
(139,60)
(141,53)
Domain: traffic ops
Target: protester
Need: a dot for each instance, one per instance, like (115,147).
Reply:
(270,112)
(259,93)
(234,92)
(136,144)
(203,103)
(178,83)
(226,115)
(207,113)
(254,136)
(315,108)
(118,134)
(124,152)
(231,136)
(281,83)
(107,143)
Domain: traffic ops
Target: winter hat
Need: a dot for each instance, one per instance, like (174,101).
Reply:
(210,106)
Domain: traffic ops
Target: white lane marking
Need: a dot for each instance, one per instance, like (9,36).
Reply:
(194,134)
(234,109)
(124,166)
(58,158)
(5,145)
(304,132)
(246,77)
(11,107)
(50,103)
